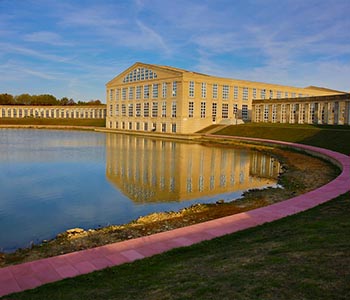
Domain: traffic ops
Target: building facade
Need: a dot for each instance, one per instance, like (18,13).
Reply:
(332,110)
(53,112)
(147,97)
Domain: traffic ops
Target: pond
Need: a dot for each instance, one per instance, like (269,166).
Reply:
(52,180)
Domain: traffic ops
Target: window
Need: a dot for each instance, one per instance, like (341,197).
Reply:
(138,109)
(263,94)
(235,109)
(224,110)
(245,93)
(225,92)
(173,109)
(300,95)
(163,127)
(235,92)
(214,111)
(202,110)
(204,90)
(245,112)
(174,92)
(154,109)
(111,94)
(173,127)
(254,93)
(190,109)
(130,125)
(293,95)
(164,109)
(164,89)
(155,91)
(271,94)
(124,93)
(279,94)
(137,125)
(145,126)
(131,93)
(131,110)
(140,74)
(117,109)
(117,92)
(146,109)
(191,89)
(111,110)
(215,91)
(123,110)
(138,92)
(266,113)
(286,94)
(146,91)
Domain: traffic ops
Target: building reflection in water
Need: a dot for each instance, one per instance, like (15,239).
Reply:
(150,170)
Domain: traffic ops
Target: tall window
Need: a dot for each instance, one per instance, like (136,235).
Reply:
(155,91)
(190,109)
(235,109)
(138,92)
(173,109)
(111,94)
(235,92)
(131,108)
(164,109)
(174,89)
(286,95)
(146,91)
(173,127)
(110,110)
(225,91)
(204,90)
(271,94)
(263,94)
(123,110)
(154,109)
(131,93)
(117,91)
(124,93)
(214,110)
(202,109)
(117,109)
(164,89)
(254,93)
(245,112)
(293,95)
(191,89)
(245,93)
(215,91)
(138,109)
(146,109)
(224,111)
(279,94)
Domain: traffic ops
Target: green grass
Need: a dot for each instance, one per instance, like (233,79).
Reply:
(305,256)
(336,138)
(61,122)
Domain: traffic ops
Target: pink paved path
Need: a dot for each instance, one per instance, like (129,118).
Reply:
(33,274)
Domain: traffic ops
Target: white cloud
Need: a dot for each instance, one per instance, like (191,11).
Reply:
(47,37)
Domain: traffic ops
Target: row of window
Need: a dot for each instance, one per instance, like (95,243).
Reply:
(142,92)
(52,113)
(264,93)
(140,74)
(145,126)
(132,110)
(224,110)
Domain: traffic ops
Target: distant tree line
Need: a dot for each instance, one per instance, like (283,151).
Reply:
(45,99)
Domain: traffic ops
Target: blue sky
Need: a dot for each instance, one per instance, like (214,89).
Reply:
(72,48)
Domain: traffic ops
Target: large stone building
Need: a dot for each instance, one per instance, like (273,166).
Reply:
(147,97)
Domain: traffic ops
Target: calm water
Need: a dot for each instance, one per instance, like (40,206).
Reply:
(51,180)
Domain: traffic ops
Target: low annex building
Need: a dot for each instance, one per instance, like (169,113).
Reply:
(147,97)
(53,112)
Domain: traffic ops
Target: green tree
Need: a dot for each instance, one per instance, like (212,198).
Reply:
(6,99)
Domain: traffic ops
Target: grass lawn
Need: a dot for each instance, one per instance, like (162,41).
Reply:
(306,256)
(62,122)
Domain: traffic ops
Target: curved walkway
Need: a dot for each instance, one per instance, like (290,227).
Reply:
(33,274)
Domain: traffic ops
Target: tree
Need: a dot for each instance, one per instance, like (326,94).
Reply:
(6,99)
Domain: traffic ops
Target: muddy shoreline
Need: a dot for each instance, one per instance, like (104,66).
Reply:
(299,174)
